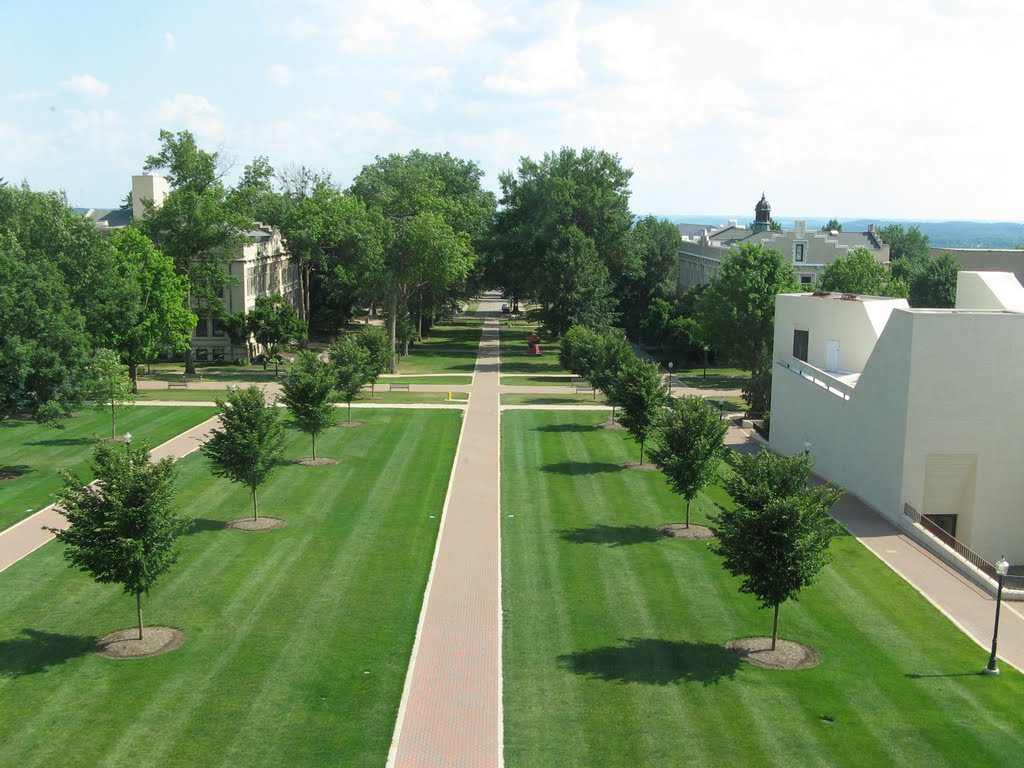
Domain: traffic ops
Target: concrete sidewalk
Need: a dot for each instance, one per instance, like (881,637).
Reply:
(450,714)
(25,537)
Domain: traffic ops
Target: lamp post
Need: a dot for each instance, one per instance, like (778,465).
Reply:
(1001,569)
(807,446)
(128,441)
(721,408)
(670,379)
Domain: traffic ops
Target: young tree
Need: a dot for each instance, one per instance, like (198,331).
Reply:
(934,286)
(777,537)
(737,311)
(307,394)
(860,272)
(638,388)
(375,341)
(109,384)
(274,322)
(689,446)
(580,350)
(612,355)
(352,368)
(249,442)
(123,528)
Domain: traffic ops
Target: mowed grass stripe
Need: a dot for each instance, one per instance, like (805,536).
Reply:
(674,696)
(279,626)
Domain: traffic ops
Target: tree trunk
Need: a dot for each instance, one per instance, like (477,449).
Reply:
(190,362)
(133,371)
(138,609)
(392,325)
(641,453)
(349,411)
(687,513)
(113,422)
(314,446)
(255,509)
(775,627)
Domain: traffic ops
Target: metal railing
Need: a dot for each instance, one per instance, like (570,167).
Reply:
(968,554)
(820,378)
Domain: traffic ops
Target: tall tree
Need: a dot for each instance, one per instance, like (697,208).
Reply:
(307,394)
(578,285)
(154,315)
(434,215)
(776,539)
(934,286)
(860,272)
(274,323)
(122,529)
(689,444)
(249,442)
(656,244)
(737,312)
(904,244)
(109,384)
(44,347)
(255,196)
(639,389)
(832,225)
(196,226)
(352,366)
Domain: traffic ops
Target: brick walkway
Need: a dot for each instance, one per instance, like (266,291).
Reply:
(450,715)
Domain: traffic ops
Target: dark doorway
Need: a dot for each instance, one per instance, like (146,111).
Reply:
(800,342)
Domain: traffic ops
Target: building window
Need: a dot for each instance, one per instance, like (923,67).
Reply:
(201,328)
(202,354)
(800,344)
(805,279)
(799,251)
(218,326)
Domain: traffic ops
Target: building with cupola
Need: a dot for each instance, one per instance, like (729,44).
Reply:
(702,248)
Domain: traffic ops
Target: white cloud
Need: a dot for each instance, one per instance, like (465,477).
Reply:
(86,85)
(548,65)
(279,75)
(185,110)
(169,42)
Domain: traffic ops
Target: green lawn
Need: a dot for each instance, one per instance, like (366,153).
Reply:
(426,360)
(39,451)
(614,636)
(173,371)
(535,381)
(455,336)
(570,398)
(297,640)
(382,394)
(458,380)
(183,395)
(717,378)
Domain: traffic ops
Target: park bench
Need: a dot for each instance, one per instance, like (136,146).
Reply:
(584,388)
(183,384)
(394,387)
(579,381)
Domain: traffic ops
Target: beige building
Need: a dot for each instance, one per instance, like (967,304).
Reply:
(701,252)
(912,409)
(987,259)
(262,267)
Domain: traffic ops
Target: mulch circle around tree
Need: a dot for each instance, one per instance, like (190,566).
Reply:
(263,524)
(680,531)
(317,462)
(126,644)
(639,467)
(9,475)
(609,424)
(787,654)
(349,424)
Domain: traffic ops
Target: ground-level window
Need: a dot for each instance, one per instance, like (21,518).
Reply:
(800,344)
(202,354)
(806,279)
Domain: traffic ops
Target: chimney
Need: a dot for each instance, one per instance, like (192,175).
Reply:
(871,228)
(148,187)
(801,227)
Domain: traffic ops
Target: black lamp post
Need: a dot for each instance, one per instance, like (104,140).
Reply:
(669,379)
(1001,569)
(721,408)
(128,441)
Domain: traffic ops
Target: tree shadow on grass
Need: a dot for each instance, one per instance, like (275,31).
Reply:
(566,428)
(200,524)
(13,471)
(916,676)
(581,468)
(65,441)
(36,651)
(612,535)
(654,662)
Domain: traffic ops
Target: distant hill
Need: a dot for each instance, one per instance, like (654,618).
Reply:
(952,234)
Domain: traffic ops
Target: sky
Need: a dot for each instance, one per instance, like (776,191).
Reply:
(902,109)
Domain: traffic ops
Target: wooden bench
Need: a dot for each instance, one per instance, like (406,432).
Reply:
(394,387)
(584,388)
(177,384)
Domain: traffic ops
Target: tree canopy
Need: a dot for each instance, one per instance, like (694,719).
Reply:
(108,384)
(307,394)
(640,392)
(353,367)
(274,322)
(123,528)
(860,272)
(934,285)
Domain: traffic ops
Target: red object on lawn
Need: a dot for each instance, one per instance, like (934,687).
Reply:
(533,342)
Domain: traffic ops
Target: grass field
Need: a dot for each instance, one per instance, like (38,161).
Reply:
(382,395)
(717,378)
(458,379)
(422,360)
(569,398)
(535,381)
(39,451)
(297,640)
(614,636)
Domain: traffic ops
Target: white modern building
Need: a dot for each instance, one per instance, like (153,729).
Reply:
(702,249)
(912,410)
(261,267)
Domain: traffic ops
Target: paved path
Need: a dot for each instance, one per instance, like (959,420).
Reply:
(450,715)
(25,537)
